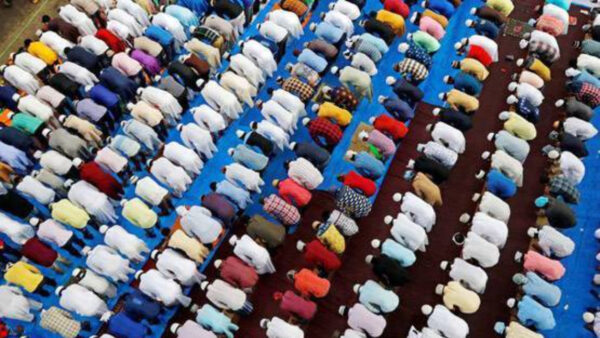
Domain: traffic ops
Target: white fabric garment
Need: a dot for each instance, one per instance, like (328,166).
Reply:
(183,157)
(55,162)
(78,299)
(495,207)
(150,191)
(553,242)
(163,100)
(288,20)
(275,113)
(529,92)
(119,29)
(198,222)
(572,167)
(278,328)
(134,10)
(363,62)
(589,63)
(15,305)
(239,86)
(449,137)
(223,27)
(347,8)
(30,63)
(18,232)
(509,166)
(471,276)
(208,118)
(33,188)
(78,73)
(477,248)
(84,24)
(52,232)
(246,68)
(107,262)
(21,79)
(126,19)
(225,296)
(260,55)
(111,160)
(408,233)
(538,35)
(172,25)
(254,254)
(93,44)
(95,202)
(35,107)
(490,229)
(447,323)
(198,139)
(100,285)
(125,243)
(418,211)
(142,133)
(162,289)
(272,31)
(56,43)
(49,96)
(350,333)
(290,102)
(305,173)
(238,174)
(490,46)
(274,133)
(170,174)
(340,21)
(363,320)
(584,130)
(221,100)
(174,265)
(438,152)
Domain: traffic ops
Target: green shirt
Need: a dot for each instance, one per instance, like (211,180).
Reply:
(426,41)
(26,123)
(271,233)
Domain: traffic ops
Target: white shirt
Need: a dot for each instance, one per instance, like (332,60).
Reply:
(119,29)
(538,35)
(238,174)
(305,173)
(438,152)
(56,43)
(449,136)
(134,10)
(275,113)
(472,276)
(94,201)
(183,157)
(484,252)
(78,299)
(50,96)
(78,74)
(208,118)
(174,265)
(278,328)
(589,63)
(274,133)
(490,46)
(240,86)
(142,133)
(111,160)
(290,102)
(418,210)
(145,112)
(126,19)
(84,24)
(254,254)
(260,55)
(172,25)
(245,67)
(50,231)
(15,305)
(93,44)
(162,289)
(584,130)
(224,296)
(199,139)
(408,233)
(363,62)
(29,63)
(55,162)
(340,21)
(509,166)
(170,174)
(127,244)
(529,92)
(33,188)
(221,100)
(553,242)
(162,99)
(347,8)
(21,79)
(98,284)
(288,20)
(107,262)
(198,222)
(495,207)
(490,229)
(572,167)
(30,104)
(273,31)
(18,232)
(447,323)
(150,191)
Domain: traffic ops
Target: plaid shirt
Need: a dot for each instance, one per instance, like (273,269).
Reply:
(206,34)
(298,88)
(544,50)
(60,321)
(281,210)
(346,225)
(352,203)
(588,94)
(344,98)
(321,127)
(414,68)
(295,6)
(561,186)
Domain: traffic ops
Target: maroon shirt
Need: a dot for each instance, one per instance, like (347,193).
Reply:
(220,207)
(236,272)
(296,305)
(38,252)
(92,173)
(317,254)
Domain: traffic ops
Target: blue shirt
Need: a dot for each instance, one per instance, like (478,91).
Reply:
(83,57)
(377,299)
(15,158)
(123,86)
(397,251)
(249,158)
(487,28)
(199,7)
(185,16)
(526,109)
(536,287)
(418,53)
(119,325)
(102,95)
(125,145)
(237,195)
(160,35)
(368,165)
(399,109)
(375,41)
(443,7)
(215,321)
(16,138)
(467,83)
(407,91)
(6,100)
(329,32)
(532,313)
(584,76)
(312,152)
(313,60)
(138,306)
(500,185)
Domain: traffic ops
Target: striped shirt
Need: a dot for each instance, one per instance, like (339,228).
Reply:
(415,69)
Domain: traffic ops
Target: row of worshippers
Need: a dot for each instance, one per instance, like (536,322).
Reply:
(97,188)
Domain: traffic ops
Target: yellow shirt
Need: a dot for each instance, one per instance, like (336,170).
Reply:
(520,127)
(39,49)
(24,275)
(139,214)
(503,6)
(540,69)
(190,246)
(66,212)
(339,115)
(457,99)
(332,239)
(475,68)
(426,189)
(442,20)
(394,20)
(516,330)
(457,296)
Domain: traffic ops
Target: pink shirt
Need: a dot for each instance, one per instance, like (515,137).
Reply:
(125,64)
(434,28)
(531,78)
(382,142)
(549,268)
(361,319)
(550,25)
(191,329)
(294,304)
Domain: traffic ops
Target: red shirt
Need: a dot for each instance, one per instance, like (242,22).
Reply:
(113,42)
(236,272)
(296,305)
(323,128)
(39,252)
(479,54)
(390,126)
(294,193)
(355,181)
(397,6)
(92,173)
(316,253)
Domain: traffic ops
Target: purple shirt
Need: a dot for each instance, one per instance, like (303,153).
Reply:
(382,142)
(149,62)
(90,110)
(361,319)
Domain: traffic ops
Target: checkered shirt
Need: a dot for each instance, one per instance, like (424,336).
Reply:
(352,203)
(544,50)
(344,98)
(206,34)
(414,68)
(280,209)
(561,186)
(296,6)
(418,54)
(346,225)
(60,321)
(589,94)
(298,88)
(322,127)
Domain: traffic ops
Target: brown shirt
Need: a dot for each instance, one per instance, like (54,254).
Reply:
(298,7)
(270,233)
(199,65)
(324,48)
(64,29)
(426,189)
(5,172)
